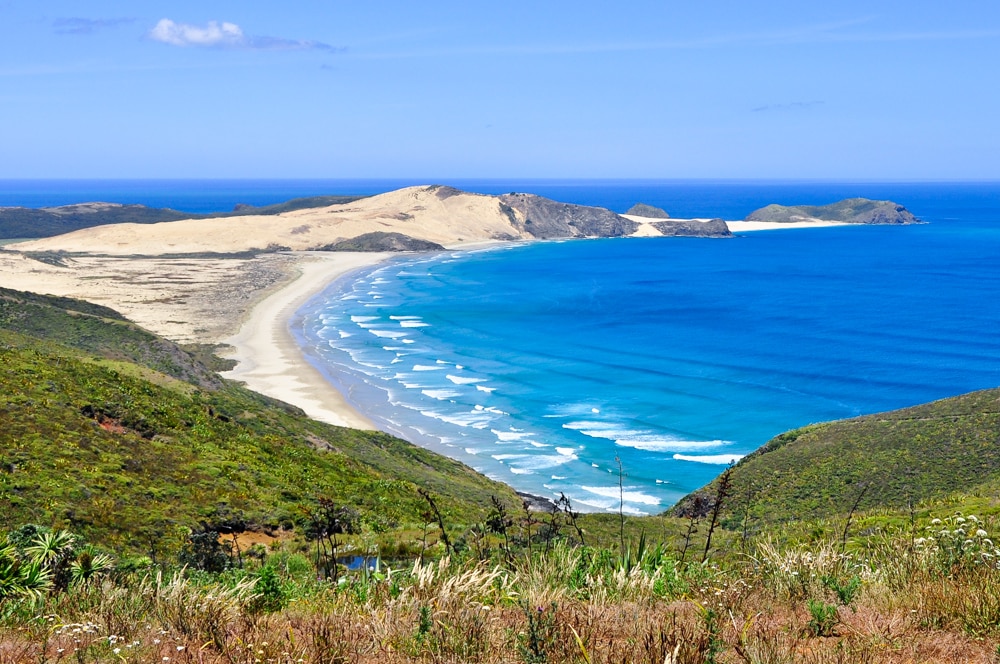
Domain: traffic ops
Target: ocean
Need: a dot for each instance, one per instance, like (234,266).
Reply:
(555,366)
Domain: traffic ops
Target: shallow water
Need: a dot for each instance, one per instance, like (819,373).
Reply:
(539,364)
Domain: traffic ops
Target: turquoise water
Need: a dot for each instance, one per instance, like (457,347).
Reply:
(541,363)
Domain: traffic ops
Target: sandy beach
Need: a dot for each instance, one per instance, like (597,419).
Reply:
(269,359)
(741,226)
(646,230)
(244,303)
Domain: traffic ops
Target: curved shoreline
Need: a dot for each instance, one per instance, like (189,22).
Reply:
(270,360)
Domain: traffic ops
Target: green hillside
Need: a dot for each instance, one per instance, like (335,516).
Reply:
(103,432)
(882,461)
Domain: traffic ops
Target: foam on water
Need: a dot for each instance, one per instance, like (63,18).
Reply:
(676,357)
(387,334)
(507,436)
(464,380)
(630,495)
(442,395)
(719,459)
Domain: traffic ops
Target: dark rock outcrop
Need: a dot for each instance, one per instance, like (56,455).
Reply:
(380,241)
(850,211)
(444,192)
(692,228)
(643,210)
(544,218)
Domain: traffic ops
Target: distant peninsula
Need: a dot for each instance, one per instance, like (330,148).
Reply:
(414,218)
(421,218)
(847,211)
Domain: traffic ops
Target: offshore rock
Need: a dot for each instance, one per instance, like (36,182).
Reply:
(692,228)
(643,210)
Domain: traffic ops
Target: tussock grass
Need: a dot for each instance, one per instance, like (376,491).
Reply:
(565,604)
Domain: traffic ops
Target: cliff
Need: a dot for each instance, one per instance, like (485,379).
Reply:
(544,218)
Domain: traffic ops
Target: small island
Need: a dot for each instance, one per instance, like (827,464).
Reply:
(649,211)
(847,211)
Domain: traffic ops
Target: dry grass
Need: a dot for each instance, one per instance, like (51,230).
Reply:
(572,605)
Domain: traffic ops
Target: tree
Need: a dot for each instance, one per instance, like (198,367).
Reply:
(324,523)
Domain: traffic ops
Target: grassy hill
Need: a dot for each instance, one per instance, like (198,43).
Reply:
(882,461)
(128,440)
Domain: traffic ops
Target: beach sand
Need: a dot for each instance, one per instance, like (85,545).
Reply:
(269,359)
(244,303)
(646,230)
(741,226)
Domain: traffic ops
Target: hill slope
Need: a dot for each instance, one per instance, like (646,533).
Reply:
(888,460)
(100,439)
(22,222)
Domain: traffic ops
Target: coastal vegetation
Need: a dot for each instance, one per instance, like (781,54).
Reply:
(155,512)
(128,440)
(888,460)
(921,593)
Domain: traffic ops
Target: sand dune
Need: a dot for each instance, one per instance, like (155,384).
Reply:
(437,214)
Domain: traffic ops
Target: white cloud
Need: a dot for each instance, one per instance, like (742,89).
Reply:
(183,34)
(225,35)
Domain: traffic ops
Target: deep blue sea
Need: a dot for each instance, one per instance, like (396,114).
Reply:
(542,363)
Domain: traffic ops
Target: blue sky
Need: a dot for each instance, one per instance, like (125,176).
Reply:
(543,89)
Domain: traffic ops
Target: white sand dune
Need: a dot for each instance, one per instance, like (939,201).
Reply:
(437,214)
